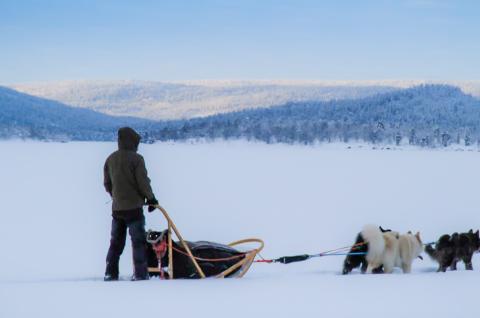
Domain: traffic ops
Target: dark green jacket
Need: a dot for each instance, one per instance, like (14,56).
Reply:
(125,175)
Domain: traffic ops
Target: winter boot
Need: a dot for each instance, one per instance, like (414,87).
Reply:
(137,278)
(110,278)
(111,272)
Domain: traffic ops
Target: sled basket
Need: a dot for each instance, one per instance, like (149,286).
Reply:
(197,259)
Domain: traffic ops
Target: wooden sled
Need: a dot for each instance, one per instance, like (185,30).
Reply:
(241,267)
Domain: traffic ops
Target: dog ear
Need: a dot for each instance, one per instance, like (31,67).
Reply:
(417,235)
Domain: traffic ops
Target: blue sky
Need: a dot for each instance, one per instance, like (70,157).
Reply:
(47,40)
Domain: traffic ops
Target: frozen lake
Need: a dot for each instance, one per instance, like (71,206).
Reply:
(56,222)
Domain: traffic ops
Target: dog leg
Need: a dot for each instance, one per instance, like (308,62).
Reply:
(378,270)
(364,267)
(453,266)
(443,266)
(371,268)
(407,268)
(468,262)
(388,268)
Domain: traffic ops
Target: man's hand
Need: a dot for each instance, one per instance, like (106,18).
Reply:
(151,202)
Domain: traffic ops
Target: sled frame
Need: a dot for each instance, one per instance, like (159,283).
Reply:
(244,264)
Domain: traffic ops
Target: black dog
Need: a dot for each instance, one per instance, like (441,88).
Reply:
(450,249)
(443,253)
(354,261)
(465,245)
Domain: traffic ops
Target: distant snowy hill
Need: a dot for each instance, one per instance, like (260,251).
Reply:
(183,100)
(188,99)
(426,115)
(25,116)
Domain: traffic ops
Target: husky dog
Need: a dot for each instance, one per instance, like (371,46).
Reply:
(449,249)
(465,245)
(355,260)
(391,249)
(443,253)
(409,248)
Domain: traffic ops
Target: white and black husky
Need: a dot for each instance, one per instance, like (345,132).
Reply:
(391,249)
(356,256)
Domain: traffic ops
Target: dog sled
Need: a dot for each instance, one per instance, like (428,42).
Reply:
(171,259)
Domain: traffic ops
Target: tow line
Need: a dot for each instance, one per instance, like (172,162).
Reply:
(341,251)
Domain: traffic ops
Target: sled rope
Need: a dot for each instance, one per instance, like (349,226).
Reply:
(335,252)
(354,246)
(303,257)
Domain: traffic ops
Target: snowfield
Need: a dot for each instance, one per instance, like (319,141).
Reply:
(56,221)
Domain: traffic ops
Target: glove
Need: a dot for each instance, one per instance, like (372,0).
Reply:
(151,202)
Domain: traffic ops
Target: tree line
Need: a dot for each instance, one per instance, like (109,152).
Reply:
(426,115)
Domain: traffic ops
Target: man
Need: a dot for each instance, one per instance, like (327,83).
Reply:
(126,180)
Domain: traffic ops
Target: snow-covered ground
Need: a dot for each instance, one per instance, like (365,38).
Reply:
(55,229)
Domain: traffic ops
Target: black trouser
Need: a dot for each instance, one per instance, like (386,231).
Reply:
(136,229)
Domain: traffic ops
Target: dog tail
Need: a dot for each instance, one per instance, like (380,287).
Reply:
(431,251)
(374,238)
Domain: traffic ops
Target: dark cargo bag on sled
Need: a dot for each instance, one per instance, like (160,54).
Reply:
(213,258)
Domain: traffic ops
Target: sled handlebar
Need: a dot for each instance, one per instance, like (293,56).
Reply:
(180,238)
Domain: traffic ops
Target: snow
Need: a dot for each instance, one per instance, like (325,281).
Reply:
(55,232)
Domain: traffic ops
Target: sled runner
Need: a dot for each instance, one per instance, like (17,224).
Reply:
(202,259)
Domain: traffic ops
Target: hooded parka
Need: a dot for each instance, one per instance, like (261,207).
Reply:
(125,175)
